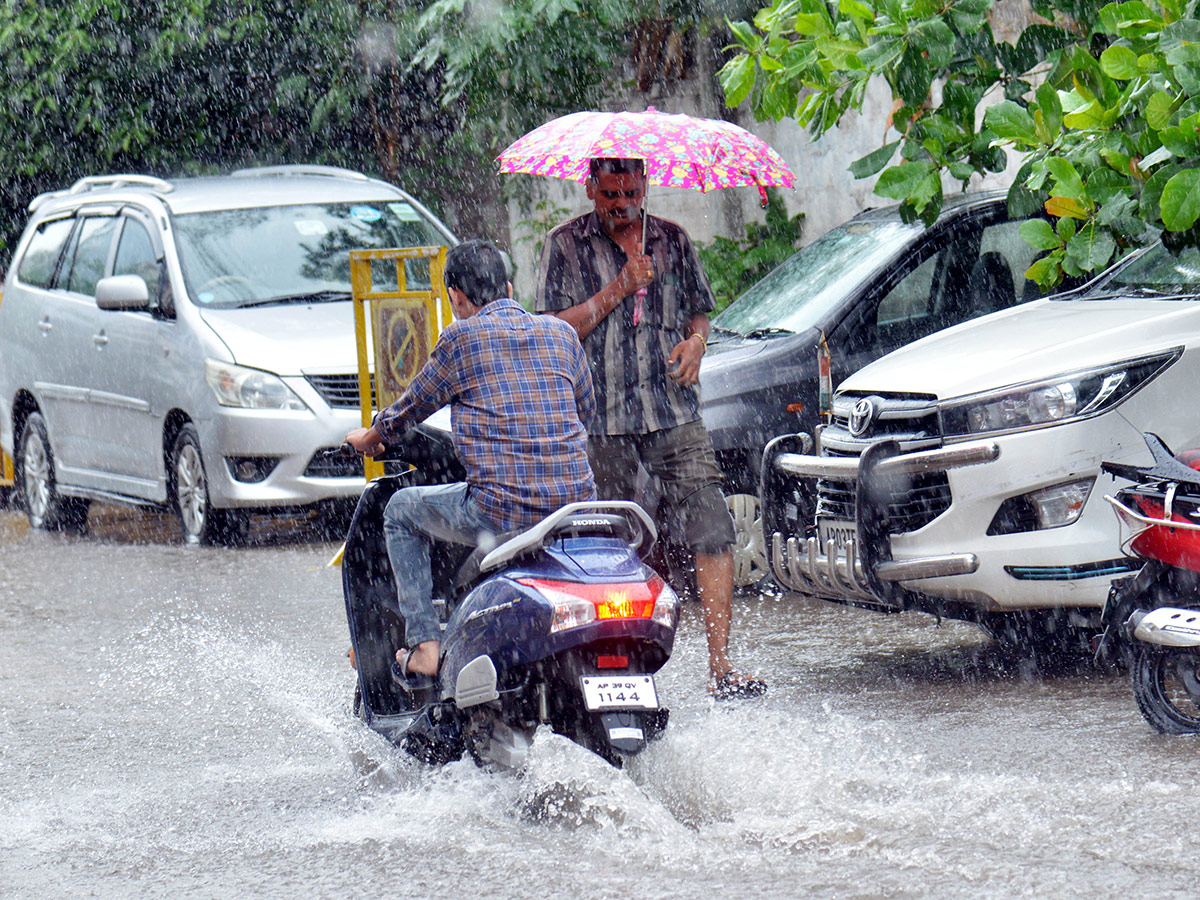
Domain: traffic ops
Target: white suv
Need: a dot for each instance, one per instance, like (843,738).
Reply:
(191,342)
(961,474)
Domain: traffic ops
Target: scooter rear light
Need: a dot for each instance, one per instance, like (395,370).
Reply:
(607,661)
(578,603)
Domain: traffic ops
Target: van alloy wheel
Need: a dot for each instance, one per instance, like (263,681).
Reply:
(198,521)
(749,546)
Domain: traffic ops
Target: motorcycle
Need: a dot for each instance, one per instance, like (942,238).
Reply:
(1152,618)
(561,624)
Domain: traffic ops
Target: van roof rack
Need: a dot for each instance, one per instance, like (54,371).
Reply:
(105,182)
(299,169)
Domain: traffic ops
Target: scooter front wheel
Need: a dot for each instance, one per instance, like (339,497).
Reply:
(1166,685)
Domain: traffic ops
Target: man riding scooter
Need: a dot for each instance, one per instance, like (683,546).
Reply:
(520,395)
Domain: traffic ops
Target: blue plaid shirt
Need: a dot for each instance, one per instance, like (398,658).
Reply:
(521,395)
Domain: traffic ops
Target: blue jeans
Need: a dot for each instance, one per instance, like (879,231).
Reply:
(414,518)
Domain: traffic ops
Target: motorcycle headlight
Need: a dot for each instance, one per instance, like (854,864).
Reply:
(1075,395)
(249,388)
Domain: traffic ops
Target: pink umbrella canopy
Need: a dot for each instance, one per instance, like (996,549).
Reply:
(679,151)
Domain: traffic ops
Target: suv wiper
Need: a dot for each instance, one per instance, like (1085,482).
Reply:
(768,332)
(312,297)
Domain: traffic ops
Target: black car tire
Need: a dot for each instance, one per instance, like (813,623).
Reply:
(46,508)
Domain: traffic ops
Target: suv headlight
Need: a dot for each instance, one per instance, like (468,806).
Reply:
(249,388)
(1074,395)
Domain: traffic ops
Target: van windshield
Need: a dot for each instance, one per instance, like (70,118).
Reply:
(810,284)
(252,257)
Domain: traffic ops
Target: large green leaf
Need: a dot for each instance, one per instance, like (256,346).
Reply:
(901,181)
(1180,202)
(1011,121)
(1119,62)
(737,79)
(1089,250)
(868,165)
(1039,233)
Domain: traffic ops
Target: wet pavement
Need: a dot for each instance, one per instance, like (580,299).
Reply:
(175,722)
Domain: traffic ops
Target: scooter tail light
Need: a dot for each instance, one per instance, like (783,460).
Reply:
(578,604)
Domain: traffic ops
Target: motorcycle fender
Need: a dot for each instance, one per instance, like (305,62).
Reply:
(1169,626)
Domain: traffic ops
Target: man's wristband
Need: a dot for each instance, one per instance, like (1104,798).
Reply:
(703,340)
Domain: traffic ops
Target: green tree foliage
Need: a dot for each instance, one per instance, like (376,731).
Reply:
(734,265)
(1103,101)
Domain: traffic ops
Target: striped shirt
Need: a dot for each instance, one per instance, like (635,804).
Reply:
(629,364)
(519,393)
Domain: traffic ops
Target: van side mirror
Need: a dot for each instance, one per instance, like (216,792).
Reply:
(122,292)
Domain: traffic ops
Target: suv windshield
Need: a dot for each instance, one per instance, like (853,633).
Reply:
(1155,271)
(251,257)
(799,293)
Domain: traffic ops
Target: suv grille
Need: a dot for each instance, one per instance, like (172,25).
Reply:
(912,421)
(339,391)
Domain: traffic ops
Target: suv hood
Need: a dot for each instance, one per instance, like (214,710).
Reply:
(1038,340)
(289,339)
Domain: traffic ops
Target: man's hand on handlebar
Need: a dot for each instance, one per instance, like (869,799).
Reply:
(366,441)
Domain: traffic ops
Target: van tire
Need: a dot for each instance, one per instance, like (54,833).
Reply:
(199,522)
(46,508)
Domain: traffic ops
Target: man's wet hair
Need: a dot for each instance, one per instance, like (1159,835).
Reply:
(612,165)
(477,269)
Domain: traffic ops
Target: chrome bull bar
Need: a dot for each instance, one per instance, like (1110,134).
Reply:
(863,571)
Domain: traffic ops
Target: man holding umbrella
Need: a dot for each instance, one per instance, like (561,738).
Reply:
(632,287)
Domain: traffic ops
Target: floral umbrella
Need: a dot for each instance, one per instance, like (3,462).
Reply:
(679,151)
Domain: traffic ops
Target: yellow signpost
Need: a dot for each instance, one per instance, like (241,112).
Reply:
(405,322)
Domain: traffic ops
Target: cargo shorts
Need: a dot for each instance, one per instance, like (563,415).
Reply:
(683,461)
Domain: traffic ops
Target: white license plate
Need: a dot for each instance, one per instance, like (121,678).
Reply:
(619,692)
(840,531)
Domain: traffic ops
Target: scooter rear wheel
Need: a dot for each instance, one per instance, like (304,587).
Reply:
(1166,685)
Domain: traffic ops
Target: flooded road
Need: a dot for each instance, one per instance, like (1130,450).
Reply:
(174,722)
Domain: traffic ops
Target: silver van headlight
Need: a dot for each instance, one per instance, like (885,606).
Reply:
(249,388)
(1074,395)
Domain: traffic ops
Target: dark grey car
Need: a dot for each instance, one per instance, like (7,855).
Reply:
(870,286)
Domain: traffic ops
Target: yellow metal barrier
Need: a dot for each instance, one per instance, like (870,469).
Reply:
(405,323)
(6,470)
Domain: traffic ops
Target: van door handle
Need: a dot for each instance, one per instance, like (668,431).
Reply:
(100,339)
(45,326)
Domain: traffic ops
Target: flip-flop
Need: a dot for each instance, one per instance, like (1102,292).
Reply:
(732,686)
(410,681)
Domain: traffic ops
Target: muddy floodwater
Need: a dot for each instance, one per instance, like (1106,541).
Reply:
(175,722)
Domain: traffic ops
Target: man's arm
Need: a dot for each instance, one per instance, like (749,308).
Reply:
(430,390)
(638,272)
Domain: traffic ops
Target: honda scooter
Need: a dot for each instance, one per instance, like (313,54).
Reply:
(561,624)
(1152,618)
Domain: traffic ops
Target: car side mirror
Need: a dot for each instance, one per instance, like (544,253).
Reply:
(122,292)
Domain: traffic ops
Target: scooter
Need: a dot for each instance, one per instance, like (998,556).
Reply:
(561,624)
(1152,618)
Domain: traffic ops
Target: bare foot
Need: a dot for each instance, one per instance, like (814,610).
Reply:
(421,660)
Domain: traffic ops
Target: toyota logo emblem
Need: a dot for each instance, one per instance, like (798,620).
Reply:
(861,416)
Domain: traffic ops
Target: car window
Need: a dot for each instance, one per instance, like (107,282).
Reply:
(136,256)
(909,299)
(91,254)
(813,282)
(41,256)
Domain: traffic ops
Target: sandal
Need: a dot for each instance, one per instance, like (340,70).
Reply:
(732,686)
(407,681)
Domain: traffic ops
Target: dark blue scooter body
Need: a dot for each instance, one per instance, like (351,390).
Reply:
(504,671)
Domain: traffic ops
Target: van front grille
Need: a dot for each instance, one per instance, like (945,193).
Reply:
(339,391)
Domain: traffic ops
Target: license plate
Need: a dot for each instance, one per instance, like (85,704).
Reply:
(619,692)
(840,531)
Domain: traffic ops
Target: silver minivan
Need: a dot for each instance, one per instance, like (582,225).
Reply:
(190,343)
